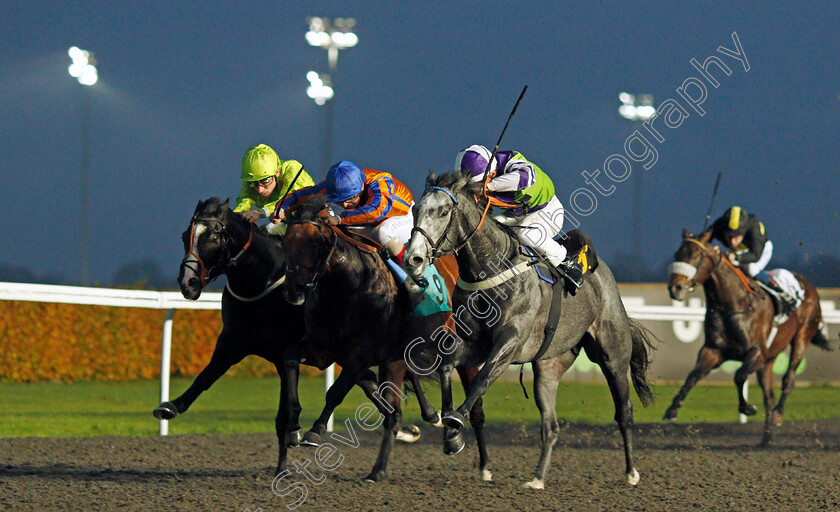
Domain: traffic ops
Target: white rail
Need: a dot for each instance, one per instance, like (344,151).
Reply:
(172,301)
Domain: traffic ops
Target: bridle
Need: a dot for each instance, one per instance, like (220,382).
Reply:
(690,271)
(435,251)
(324,266)
(206,275)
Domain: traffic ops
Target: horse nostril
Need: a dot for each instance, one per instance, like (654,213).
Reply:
(193,282)
(678,287)
(415,261)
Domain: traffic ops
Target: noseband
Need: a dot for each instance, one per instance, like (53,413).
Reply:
(688,270)
(435,251)
(317,275)
(206,275)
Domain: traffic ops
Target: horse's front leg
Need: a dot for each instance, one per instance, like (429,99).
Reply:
(427,410)
(453,442)
(335,395)
(224,356)
(547,375)
(753,361)
(707,360)
(287,421)
(387,399)
(501,356)
(477,422)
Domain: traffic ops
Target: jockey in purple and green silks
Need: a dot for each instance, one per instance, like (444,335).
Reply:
(530,193)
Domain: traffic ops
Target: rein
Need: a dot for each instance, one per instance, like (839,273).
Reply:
(317,275)
(680,267)
(206,274)
(435,246)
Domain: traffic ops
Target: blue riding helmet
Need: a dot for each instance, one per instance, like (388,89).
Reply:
(344,180)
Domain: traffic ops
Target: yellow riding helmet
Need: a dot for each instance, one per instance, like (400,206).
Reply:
(259,162)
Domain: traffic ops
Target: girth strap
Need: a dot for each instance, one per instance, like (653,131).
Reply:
(553,317)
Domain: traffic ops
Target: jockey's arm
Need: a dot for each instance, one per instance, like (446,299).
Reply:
(377,206)
(517,175)
(755,242)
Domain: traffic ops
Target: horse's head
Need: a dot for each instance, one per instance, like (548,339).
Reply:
(436,228)
(309,243)
(693,263)
(204,246)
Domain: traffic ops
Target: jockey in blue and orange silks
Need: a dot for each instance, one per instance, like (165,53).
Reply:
(372,200)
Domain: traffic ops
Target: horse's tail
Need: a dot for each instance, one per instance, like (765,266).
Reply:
(640,362)
(819,340)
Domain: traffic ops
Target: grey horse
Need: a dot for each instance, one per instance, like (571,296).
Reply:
(507,326)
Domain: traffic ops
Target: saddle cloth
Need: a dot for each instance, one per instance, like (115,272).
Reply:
(788,282)
(434,295)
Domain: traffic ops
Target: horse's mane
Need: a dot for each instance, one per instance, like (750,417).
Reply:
(213,207)
(309,208)
(457,181)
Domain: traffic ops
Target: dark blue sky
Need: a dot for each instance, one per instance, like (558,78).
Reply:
(185,88)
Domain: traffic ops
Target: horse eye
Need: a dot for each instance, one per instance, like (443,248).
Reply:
(444,213)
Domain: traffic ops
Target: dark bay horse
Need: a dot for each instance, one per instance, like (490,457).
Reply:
(739,318)
(497,333)
(256,319)
(357,316)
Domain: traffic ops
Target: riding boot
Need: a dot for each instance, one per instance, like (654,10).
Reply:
(573,274)
(789,303)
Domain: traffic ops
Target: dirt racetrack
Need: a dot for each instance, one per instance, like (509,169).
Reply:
(682,466)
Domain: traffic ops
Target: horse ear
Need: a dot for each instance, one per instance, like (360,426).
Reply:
(686,234)
(705,237)
(227,202)
(431,178)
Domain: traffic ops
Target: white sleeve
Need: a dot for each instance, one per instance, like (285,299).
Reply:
(518,175)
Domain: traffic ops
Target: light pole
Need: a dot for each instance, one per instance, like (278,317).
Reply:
(638,108)
(83,69)
(332,35)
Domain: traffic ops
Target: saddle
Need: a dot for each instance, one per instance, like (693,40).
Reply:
(579,246)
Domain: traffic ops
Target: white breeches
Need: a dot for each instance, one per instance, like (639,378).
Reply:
(393,227)
(542,226)
(755,267)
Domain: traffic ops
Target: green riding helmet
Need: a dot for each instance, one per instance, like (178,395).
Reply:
(259,162)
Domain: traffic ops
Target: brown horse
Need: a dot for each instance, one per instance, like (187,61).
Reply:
(739,318)
(356,315)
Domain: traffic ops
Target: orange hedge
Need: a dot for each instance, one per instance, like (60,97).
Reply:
(40,341)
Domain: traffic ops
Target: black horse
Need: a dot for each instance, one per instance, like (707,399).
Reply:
(256,319)
(357,316)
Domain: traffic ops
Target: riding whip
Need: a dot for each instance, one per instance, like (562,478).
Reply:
(709,213)
(496,149)
(292,184)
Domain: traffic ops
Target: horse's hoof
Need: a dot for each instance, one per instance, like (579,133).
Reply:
(486,475)
(436,420)
(670,415)
(375,476)
(454,420)
(311,439)
(165,411)
(409,434)
(536,483)
(632,477)
(776,419)
(453,444)
(748,409)
(293,438)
